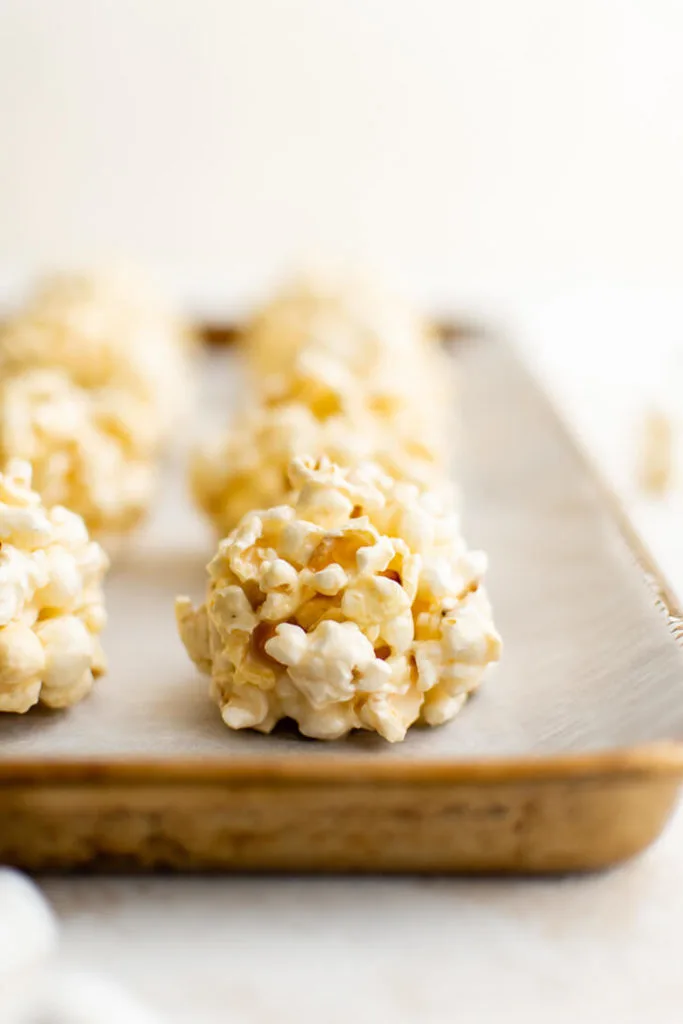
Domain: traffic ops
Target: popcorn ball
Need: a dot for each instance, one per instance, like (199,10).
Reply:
(91,450)
(346,348)
(355,605)
(406,394)
(247,467)
(103,332)
(354,322)
(51,602)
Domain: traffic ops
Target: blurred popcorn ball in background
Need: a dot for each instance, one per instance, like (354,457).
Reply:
(95,372)
(341,369)
(91,449)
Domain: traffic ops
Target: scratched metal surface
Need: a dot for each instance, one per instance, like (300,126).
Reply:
(589,661)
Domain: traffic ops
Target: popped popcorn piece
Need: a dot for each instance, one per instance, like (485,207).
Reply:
(355,605)
(655,462)
(105,331)
(247,467)
(51,602)
(91,450)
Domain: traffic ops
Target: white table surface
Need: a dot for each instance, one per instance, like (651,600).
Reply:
(602,948)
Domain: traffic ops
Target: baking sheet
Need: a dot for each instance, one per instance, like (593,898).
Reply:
(589,661)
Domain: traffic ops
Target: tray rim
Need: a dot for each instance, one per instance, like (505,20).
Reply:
(662,759)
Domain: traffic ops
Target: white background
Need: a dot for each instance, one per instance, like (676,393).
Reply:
(464,149)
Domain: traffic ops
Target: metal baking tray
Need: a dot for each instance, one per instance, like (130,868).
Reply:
(568,758)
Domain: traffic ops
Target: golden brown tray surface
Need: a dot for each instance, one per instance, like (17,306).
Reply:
(569,757)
